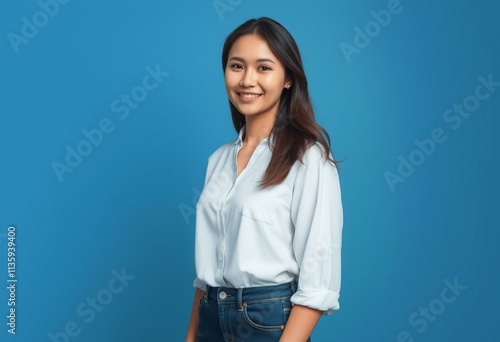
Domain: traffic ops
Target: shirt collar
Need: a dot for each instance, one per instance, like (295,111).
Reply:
(239,141)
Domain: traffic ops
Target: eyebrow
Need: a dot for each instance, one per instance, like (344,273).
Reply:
(258,60)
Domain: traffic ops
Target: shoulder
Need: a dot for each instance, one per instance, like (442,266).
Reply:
(220,151)
(315,155)
(314,166)
(315,171)
(218,159)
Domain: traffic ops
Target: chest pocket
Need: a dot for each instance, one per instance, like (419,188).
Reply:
(257,215)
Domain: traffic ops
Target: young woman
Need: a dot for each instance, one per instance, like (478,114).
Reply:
(269,219)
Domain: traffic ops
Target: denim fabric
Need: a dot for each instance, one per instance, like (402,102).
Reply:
(244,315)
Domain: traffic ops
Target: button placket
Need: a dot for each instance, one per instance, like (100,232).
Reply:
(222,230)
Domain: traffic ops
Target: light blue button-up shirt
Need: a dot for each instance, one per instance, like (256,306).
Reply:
(247,236)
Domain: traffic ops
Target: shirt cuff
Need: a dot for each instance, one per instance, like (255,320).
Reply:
(319,299)
(197,283)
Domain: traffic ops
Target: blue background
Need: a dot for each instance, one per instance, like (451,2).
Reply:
(128,204)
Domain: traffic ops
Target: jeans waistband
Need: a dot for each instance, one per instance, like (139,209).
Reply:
(241,295)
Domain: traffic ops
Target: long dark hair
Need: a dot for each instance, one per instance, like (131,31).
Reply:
(295,128)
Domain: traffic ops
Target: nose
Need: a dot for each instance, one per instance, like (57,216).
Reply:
(248,78)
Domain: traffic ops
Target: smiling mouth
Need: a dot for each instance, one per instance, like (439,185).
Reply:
(248,96)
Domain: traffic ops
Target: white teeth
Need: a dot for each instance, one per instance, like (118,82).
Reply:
(249,96)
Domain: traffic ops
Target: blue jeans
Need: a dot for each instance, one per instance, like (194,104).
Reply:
(244,315)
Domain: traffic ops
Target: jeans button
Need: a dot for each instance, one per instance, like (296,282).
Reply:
(222,295)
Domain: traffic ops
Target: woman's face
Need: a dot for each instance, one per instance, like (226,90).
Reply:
(254,77)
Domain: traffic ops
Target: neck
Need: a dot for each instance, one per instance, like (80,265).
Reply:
(257,129)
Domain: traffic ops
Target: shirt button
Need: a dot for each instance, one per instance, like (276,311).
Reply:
(222,295)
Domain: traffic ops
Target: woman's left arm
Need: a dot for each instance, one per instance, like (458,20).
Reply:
(300,324)
(316,213)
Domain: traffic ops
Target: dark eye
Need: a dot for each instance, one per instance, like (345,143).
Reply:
(265,68)
(236,66)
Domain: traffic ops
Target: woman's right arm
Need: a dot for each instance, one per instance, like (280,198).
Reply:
(193,322)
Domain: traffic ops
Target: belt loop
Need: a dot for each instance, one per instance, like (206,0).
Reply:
(207,292)
(294,285)
(239,298)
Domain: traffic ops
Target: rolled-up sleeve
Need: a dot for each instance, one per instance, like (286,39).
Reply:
(316,212)
(197,283)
